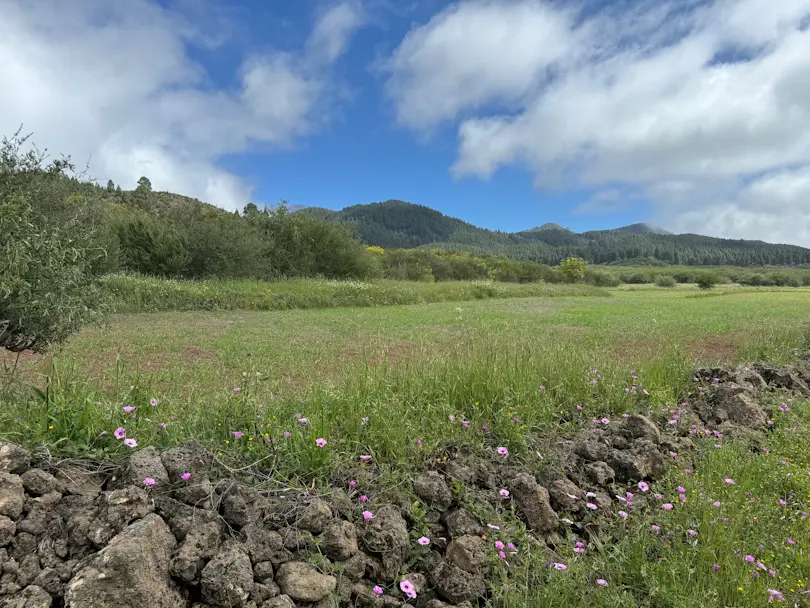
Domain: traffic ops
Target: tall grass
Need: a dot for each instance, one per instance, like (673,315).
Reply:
(134,293)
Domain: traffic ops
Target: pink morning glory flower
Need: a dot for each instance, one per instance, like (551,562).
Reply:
(504,492)
(320,442)
(503,451)
(691,533)
(499,544)
(716,503)
(655,528)
(601,582)
(424,541)
(120,433)
(153,402)
(729,481)
(129,409)
(591,506)
(452,418)
(377,590)
(352,483)
(558,566)
(185,476)
(237,434)
(643,486)
(667,506)
(130,443)
(365,457)
(148,482)
(367,515)
(364,498)
(623,514)
(407,588)
(750,559)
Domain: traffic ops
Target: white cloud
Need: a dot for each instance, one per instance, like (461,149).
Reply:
(115,82)
(687,107)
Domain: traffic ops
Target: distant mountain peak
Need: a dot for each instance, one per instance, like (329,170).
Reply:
(642,228)
(549,226)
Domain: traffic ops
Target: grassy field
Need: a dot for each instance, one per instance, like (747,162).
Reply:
(396,382)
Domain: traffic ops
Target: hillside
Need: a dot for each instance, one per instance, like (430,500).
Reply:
(397,224)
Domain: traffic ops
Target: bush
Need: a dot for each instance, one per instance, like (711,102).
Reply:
(707,280)
(573,269)
(48,288)
(665,280)
(638,278)
(602,279)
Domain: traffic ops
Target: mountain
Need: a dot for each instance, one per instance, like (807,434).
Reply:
(400,225)
(642,229)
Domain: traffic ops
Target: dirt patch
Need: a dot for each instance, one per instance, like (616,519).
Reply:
(632,351)
(718,347)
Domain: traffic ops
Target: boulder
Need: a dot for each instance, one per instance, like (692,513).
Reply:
(468,553)
(12,495)
(433,490)
(600,473)
(199,545)
(455,585)
(132,571)
(640,427)
(461,523)
(303,583)
(566,496)
(32,596)
(261,544)
(533,503)
(281,601)
(37,481)
(13,458)
(227,579)
(7,530)
(339,541)
(146,463)
(591,450)
(315,517)
(187,458)
(386,536)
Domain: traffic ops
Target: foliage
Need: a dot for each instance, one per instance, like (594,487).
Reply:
(665,280)
(573,269)
(48,287)
(707,280)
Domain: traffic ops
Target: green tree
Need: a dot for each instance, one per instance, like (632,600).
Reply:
(110,186)
(573,269)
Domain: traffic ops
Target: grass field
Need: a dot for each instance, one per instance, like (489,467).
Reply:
(395,382)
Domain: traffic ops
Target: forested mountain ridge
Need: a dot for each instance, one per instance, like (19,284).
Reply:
(397,224)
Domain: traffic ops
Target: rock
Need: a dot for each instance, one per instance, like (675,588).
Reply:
(227,579)
(461,523)
(263,571)
(638,426)
(433,490)
(354,568)
(533,503)
(363,597)
(183,518)
(187,458)
(132,571)
(237,511)
(30,597)
(37,481)
(468,553)
(7,530)
(118,509)
(200,545)
(78,481)
(29,570)
(200,493)
(455,585)
(744,410)
(12,495)
(51,581)
(13,458)
(386,535)
(600,473)
(591,449)
(303,583)
(315,517)
(22,544)
(561,492)
(328,602)
(339,540)
(297,540)
(460,471)
(261,544)
(642,462)
(264,591)
(282,601)
(147,463)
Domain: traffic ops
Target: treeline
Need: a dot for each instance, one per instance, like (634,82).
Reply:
(397,224)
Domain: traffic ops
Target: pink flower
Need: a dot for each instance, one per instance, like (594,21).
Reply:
(303,421)
(716,567)
(591,506)
(132,387)
(418,442)
(667,506)
(237,434)
(504,492)
(590,495)
(605,420)
(688,471)
(682,497)
(601,582)
(790,541)
(623,514)
(558,566)
(320,442)
(452,418)
(484,427)
(237,390)
(642,486)
(163,425)
(750,559)
(185,476)
(148,482)
(129,409)
(580,408)
(681,490)
(364,498)
(407,588)
(775,594)
(377,590)
(782,502)
(130,443)
(655,528)
(502,555)
(120,433)
(424,541)
(465,424)
(153,402)
(502,451)
(499,544)
(542,388)
(352,483)
(367,515)
(511,547)
(691,533)
(287,434)
(364,457)
(716,503)
(729,481)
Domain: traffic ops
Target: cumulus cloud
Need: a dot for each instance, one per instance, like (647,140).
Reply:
(699,107)
(115,82)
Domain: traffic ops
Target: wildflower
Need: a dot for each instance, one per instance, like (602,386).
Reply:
(729,481)
(515,419)
(642,486)
(484,427)
(667,506)
(681,490)
(493,527)
(465,424)
(408,589)
(572,496)
(601,582)
(750,559)
(287,434)
(682,497)
(502,555)
(558,566)
(565,520)
(717,503)
(452,418)
(590,495)
(364,457)
(364,498)
(716,567)
(542,388)
(673,454)
(623,514)
(132,387)
(120,433)
(185,476)
(148,482)
(303,421)
(782,502)
(511,547)
(688,471)
(605,420)
(580,408)
(424,541)
(775,594)
(504,492)
(499,544)
(502,451)
(790,541)
(418,442)
(659,497)
(237,434)
(655,528)
(364,420)
(691,533)
(771,572)
(352,483)
(320,442)
(367,515)
(128,409)
(591,506)
(377,590)
(153,402)
(130,443)
(237,389)
(163,425)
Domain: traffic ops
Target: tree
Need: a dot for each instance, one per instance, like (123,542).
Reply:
(707,280)
(573,269)
(144,185)
(47,286)
(110,186)
(250,210)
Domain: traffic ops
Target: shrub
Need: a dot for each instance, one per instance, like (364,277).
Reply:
(665,280)
(602,279)
(47,285)
(707,280)
(638,278)
(573,269)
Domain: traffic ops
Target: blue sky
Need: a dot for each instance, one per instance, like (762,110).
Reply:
(689,114)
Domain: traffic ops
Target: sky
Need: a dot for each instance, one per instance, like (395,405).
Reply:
(693,115)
